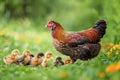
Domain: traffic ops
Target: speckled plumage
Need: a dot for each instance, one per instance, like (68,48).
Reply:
(83,52)
(82,45)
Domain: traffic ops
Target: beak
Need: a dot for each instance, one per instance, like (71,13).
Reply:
(46,25)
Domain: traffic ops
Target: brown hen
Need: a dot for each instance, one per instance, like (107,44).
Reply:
(82,45)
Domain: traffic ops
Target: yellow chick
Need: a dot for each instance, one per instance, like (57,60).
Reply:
(37,60)
(8,60)
(11,58)
(26,56)
(20,60)
(68,61)
(48,56)
(44,63)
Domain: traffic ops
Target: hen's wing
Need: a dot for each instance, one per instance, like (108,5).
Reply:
(92,35)
(74,39)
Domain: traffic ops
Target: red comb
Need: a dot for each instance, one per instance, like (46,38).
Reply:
(49,21)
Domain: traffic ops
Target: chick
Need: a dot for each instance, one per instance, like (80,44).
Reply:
(8,60)
(20,60)
(37,60)
(58,62)
(47,59)
(40,58)
(68,61)
(44,63)
(48,56)
(26,55)
(11,58)
(15,55)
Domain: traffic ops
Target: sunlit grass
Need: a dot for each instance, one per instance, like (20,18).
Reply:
(41,41)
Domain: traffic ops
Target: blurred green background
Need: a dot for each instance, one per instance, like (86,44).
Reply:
(72,14)
(22,26)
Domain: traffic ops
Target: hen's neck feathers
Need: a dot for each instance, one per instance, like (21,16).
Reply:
(59,33)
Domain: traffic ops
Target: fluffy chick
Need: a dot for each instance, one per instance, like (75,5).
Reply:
(44,63)
(26,56)
(7,60)
(58,62)
(48,56)
(37,60)
(20,60)
(68,61)
(47,59)
(40,58)
(11,58)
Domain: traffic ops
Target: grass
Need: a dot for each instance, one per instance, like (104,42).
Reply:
(15,35)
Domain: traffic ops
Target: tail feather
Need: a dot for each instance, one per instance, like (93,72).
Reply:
(101,27)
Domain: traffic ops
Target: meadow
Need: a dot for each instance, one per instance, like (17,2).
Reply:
(18,35)
(22,26)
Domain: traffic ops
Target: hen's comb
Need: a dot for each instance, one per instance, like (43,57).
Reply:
(49,21)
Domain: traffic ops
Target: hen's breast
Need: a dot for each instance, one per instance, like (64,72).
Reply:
(83,52)
(62,47)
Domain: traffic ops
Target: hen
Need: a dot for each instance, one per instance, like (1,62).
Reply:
(82,45)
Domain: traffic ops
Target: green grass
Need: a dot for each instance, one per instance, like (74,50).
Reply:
(23,36)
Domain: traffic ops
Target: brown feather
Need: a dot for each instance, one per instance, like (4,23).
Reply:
(59,33)
(83,52)
(90,38)
(92,34)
